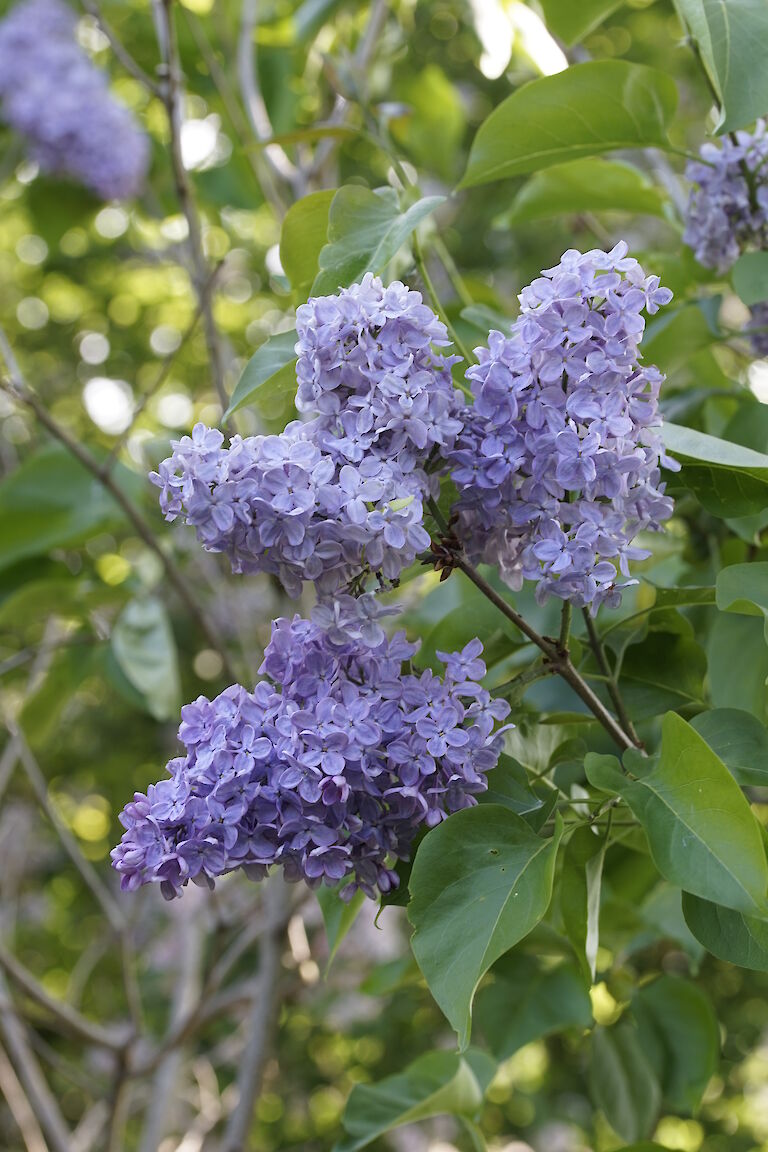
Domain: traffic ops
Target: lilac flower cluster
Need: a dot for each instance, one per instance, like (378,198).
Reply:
(60,102)
(728,205)
(327,768)
(558,464)
(280,504)
(728,210)
(341,495)
(367,363)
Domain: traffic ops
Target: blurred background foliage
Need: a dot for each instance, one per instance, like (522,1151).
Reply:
(97,651)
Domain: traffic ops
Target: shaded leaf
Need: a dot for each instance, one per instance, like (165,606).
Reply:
(338,916)
(738,683)
(571,22)
(743,588)
(436,1084)
(701,832)
(740,740)
(143,646)
(728,479)
(749,276)
(589,185)
(731,39)
(268,378)
(480,882)
(622,1081)
(580,883)
(680,1036)
(728,934)
(584,111)
(527,1001)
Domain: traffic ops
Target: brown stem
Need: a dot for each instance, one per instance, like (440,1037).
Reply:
(596,645)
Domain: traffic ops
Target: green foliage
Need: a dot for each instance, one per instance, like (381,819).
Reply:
(572,22)
(145,651)
(728,37)
(589,185)
(584,111)
(728,480)
(435,1084)
(365,230)
(269,378)
(680,1037)
(480,882)
(750,277)
(623,1083)
(701,832)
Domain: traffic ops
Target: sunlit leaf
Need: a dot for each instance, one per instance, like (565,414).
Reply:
(269,377)
(589,185)
(584,111)
(728,479)
(303,236)
(145,650)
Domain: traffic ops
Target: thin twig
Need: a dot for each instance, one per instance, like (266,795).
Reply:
(27,1069)
(19,1107)
(172,99)
(18,389)
(611,684)
(119,49)
(64,1017)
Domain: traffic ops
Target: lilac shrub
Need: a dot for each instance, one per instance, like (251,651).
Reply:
(558,463)
(328,767)
(55,97)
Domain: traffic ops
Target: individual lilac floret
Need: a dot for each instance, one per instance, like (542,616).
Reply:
(328,768)
(558,464)
(54,96)
(279,504)
(728,206)
(368,364)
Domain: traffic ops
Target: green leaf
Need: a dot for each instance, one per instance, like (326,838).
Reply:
(622,1081)
(571,22)
(731,38)
(749,277)
(480,882)
(268,378)
(728,479)
(527,1001)
(303,236)
(69,668)
(743,588)
(580,883)
(701,832)
(673,337)
(436,1084)
(52,501)
(433,125)
(664,672)
(143,646)
(365,230)
(727,934)
(508,786)
(680,1036)
(738,683)
(584,111)
(338,916)
(740,740)
(589,185)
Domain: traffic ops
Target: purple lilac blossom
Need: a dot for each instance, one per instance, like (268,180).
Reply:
(558,464)
(728,206)
(328,767)
(279,504)
(368,364)
(340,496)
(54,96)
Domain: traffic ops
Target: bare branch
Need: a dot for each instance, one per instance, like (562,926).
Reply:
(259,1025)
(65,1018)
(27,1070)
(19,1106)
